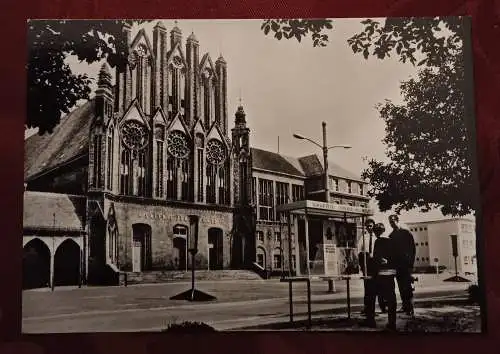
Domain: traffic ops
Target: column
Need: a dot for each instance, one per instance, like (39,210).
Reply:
(52,255)
(306,227)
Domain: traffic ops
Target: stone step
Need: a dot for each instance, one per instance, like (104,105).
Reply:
(173,276)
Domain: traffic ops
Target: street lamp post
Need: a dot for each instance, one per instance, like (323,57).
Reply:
(324,147)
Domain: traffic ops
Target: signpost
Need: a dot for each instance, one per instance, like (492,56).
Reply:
(193,294)
(454,251)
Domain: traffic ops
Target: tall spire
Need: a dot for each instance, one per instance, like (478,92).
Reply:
(104,76)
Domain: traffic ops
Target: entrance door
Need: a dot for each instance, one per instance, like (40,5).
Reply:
(141,247)
(180,254)
(216,255)
(67,264)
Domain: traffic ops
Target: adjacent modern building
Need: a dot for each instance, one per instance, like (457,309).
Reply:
(126,180)
(434,244)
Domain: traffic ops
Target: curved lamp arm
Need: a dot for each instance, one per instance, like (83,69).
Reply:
(298,136)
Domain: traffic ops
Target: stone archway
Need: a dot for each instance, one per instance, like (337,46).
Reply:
(67,263)
(36,264)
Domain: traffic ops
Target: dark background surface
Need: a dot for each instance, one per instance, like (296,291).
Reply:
(486,55)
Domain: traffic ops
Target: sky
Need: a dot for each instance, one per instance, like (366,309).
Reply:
(288,87)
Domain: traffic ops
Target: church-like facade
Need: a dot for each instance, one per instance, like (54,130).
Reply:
(159,151)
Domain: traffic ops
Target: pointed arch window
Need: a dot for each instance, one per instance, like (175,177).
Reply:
(125,170)
(141,174)
(171,178)
(97,147)
(217,172)
(160,155)
(110,152)
(185,179)
(199,159)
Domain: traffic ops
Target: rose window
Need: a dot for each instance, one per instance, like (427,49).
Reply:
(134,135)
(216,153)
(177,144)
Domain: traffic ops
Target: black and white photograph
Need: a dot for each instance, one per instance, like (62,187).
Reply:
(187,175)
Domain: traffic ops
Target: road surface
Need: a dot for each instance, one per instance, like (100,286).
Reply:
(148,307)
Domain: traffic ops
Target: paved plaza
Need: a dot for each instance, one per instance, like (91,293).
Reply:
(239,304)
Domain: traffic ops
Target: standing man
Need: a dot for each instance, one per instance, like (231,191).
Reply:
(368,283)
(404,247)
(385,270)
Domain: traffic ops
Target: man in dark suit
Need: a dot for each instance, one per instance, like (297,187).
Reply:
(404,245)
(368,284)
(383,271)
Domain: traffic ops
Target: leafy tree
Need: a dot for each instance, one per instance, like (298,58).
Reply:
(426,136)
(52,88)
(298,29)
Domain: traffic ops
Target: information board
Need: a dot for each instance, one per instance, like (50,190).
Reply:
(331,259)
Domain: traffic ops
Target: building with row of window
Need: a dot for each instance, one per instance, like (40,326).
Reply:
(433,244)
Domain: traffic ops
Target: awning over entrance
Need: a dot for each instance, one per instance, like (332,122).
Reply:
(314,207)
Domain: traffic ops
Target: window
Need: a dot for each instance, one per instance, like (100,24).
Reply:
(160,137)
(141,175)
(254,190)
(294,262)
(277,260)
(211,175)
(266,199)
(472,259)
(260,259)
(171,178)
(222,186)
(199,158)
(109,170)
(361,189)
(185,179)
(466,260)
(421,243)
(416,244)
(260,236)
(277,237)
(425,228)
(125,169)
(349,187)
(297,192)
(418,259)
(427,243)
(97,179)
(281,195)
(421,229)
(334,184)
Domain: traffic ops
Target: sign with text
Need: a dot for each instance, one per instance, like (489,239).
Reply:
(331,259)
(325,207)
(211,219)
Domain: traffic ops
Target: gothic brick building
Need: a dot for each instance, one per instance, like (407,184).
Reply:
(148,152)
(116,185)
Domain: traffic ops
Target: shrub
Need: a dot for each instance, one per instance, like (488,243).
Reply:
(189,327)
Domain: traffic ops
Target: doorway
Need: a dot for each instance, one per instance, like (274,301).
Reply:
(216,249)
(36,265)
(141,248)
(67,264)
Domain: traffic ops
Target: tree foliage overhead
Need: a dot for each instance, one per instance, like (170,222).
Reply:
(426,139)
(53,89)
(426,136)
(298,29)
